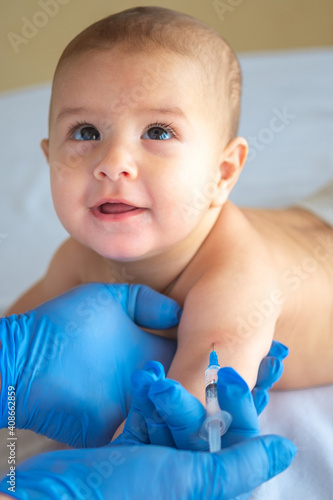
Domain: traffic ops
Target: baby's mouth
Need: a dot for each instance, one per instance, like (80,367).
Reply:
(115,208)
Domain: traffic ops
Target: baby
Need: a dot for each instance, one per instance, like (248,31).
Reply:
(143,153)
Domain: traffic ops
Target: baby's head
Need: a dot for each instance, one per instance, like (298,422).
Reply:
(149,30)
(150,95)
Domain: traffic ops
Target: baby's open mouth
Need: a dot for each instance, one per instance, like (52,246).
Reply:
(115,208)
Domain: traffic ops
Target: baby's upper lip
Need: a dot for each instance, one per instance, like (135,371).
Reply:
(114,200)
(114,206)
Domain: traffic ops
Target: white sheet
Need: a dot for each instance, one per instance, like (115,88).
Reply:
(290,158)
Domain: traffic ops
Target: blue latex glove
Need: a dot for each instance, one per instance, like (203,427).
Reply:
(270,371)
(70,360)
(164,413)
(149,472)
(130,471)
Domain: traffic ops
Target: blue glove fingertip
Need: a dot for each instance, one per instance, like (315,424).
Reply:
(152,309)
(229,377)
(270,372)
(173,311)
(141,380)
(281,452)
(164,386)
(156,369)
(165,395)
(260,399)
(277,367)
(278,350)
(179,312)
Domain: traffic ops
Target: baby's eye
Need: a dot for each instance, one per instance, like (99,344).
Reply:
(86,133)
(159,132)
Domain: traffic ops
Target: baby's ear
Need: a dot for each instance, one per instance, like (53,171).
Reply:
(44,144)
(231,164)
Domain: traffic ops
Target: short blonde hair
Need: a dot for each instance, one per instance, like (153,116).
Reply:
(143,29)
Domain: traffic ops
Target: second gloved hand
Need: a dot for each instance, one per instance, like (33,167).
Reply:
(130,472)
(70,360)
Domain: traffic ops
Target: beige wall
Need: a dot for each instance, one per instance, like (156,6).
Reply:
(33,36)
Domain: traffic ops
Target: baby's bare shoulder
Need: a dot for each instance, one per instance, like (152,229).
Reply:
(262,273)
(294,234)
(236,241)
(62,274)
(279,250)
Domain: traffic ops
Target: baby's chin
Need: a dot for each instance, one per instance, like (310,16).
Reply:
(126,251)
(122,254)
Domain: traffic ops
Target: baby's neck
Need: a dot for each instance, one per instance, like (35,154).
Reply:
(160,271)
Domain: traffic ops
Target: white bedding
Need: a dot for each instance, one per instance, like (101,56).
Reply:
(287,115)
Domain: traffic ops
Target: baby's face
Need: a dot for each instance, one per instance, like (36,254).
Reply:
(133,153)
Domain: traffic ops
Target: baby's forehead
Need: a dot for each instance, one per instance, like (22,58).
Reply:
(162,59)
(138,71)
(153,80)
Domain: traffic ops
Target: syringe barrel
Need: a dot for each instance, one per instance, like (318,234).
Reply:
(217,421)
(212,404)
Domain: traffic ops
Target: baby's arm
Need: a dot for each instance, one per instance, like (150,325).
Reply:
(212,313)
(62,274)
(209,316)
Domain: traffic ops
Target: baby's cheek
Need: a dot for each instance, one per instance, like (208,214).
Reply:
(67,206)
(70,158)
(65,167)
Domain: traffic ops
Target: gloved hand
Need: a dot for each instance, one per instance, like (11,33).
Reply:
(149,472)
(164,413)
(70,360)
(270,371)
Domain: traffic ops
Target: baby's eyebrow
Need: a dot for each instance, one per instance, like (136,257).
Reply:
(165,110)
(70,111)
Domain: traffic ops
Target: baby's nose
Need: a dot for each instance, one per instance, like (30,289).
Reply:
(115,162)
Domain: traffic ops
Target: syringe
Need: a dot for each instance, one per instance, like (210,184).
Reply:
(217,421)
